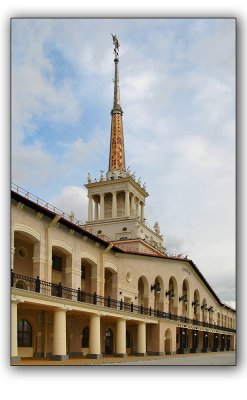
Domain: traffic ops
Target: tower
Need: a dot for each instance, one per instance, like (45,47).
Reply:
(116,201)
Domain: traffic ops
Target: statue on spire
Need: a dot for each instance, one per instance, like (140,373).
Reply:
(116,45)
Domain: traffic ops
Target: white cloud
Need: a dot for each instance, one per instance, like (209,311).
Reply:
(31,165)
(177,91)
(72,198)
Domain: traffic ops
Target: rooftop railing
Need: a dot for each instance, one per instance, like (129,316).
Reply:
(58,290)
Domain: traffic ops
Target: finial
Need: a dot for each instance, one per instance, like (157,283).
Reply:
(116,45)
(89,180)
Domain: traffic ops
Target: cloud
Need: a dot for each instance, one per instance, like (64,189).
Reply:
(72,198)
(31,165)
(177,84)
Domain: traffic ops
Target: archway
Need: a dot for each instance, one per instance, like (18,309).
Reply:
(61,260)
(172,295)
(168,342)
(26,250)
(196,305)
(185,298)
(158,294)
(143,292)
(204,310)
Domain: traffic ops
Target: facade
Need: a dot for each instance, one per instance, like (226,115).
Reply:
(108,286)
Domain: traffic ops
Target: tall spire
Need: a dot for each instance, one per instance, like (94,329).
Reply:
(117,154)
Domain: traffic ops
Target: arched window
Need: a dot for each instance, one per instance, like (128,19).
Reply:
(24,333)
(85,337)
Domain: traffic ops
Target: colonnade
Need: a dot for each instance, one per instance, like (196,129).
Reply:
(59,336)
(133,206)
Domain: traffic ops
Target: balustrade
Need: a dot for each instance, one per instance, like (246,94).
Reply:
(57,290)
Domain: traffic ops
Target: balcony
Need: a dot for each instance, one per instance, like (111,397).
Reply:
(59,291)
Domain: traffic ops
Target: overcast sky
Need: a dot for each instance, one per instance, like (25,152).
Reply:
(177,83)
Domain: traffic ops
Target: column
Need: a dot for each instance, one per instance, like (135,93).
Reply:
(12,249)
(14,323)
(141,339)
(142,212)
(59,351)
(114,204)
(102,206)
(138,208)
(132,204)
(94,337)
(90,207)
(96,209)
(121,338)
(127,203)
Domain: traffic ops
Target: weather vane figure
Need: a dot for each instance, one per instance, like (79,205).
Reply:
(116,45)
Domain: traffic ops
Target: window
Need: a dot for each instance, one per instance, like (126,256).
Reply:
(24,333)
(22,252)
(85,337)
(56,263)
(128,339)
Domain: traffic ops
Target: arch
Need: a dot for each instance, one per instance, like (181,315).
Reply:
(185,298)
(89,257)
(143,291)
(159,297)
(110,281)
(112,267)
(168,341)
(62,245)
(196,304)
(172,295)
(28,231)
(26,246)
(24,333)
(204,313)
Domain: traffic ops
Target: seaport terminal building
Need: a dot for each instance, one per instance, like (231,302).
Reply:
(106,286)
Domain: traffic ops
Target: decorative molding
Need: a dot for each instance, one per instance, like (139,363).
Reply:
(73,271)
(39,260)
(89,257)
(111,266)
(28,230)
(63,245)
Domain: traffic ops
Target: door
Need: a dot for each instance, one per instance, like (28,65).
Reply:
(109,342)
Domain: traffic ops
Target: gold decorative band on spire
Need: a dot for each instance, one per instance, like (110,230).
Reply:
(117,154)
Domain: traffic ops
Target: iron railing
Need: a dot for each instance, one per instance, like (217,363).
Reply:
(58,290)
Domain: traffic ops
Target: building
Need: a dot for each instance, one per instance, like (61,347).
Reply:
(108,286)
